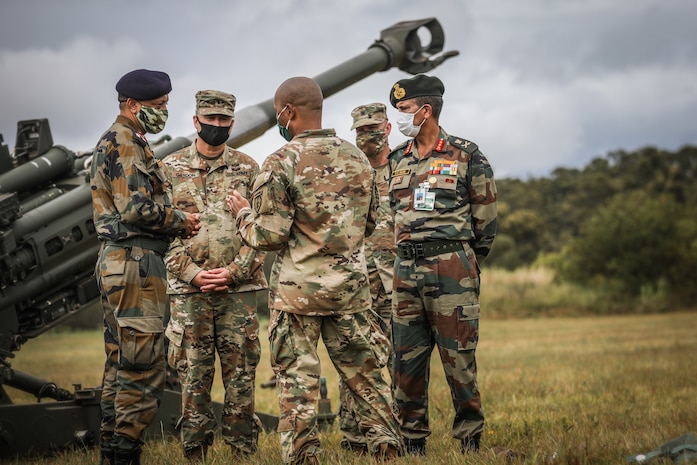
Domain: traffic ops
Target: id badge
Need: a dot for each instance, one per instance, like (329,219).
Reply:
(424,199)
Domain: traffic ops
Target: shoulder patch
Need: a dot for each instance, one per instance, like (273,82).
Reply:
(464,144)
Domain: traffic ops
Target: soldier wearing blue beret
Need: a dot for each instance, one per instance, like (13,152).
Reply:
(135,222)
(443,196)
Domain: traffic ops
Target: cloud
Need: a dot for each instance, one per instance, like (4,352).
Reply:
(537,84)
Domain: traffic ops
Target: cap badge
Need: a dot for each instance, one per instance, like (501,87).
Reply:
(399,92)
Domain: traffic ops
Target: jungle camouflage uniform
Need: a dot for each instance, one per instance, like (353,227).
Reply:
(226,322)
(134,221)
(436,296)
(315,201)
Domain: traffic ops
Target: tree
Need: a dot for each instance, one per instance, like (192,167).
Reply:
(637,243)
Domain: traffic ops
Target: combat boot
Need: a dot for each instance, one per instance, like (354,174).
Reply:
(107,455)
(387,452)
(196,454)
(415,446)
(470,445)
(126,457)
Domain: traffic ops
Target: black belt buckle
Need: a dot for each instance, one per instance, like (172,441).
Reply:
(418,250)
(411,250)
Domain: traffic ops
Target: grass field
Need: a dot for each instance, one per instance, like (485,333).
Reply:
(581,390)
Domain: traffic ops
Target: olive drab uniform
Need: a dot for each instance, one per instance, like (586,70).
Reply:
(445,223)
(202,324)
(314,202)
(134,221)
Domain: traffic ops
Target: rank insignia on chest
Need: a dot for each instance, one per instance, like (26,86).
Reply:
(445,167)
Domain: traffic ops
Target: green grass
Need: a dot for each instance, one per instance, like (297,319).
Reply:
(587,390)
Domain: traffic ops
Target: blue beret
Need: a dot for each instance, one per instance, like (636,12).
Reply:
(143,84)
(417,86)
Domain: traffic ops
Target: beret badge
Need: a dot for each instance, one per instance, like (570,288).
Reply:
(399,92)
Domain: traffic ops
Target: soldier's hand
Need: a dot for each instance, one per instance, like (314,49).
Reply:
(236,202)
(215,280)
(193,224)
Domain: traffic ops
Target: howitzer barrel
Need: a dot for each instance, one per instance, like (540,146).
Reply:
(52,165)
(398,46)
(57,208)
(67,271)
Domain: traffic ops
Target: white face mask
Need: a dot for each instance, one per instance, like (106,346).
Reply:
(405,123)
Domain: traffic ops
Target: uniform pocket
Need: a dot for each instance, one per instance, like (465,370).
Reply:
(140,345)
(379,338)
(467,327)
(251,327)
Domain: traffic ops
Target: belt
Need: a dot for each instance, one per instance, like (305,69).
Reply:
(409,250)
(148,243)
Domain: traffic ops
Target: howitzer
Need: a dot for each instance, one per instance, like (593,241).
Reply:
(48,249)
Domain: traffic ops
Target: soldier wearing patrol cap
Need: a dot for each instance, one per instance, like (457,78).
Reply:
(135,222)
(215,281)
(372,132)
(443,195)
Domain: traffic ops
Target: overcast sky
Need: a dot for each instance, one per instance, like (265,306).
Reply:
(538,84)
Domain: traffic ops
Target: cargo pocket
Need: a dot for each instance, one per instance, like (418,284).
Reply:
(140,345)
(379,339)
(110,269)
(467,327)
(175,335)
(251,327)
(282,354)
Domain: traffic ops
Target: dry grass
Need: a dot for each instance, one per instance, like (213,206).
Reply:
(585,390)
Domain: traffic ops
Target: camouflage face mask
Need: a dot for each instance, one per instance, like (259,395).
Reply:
(152,119)
(372,143)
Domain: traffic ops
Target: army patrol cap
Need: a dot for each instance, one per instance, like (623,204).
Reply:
(215,102)
(417,86)
(371,113)
(144,84)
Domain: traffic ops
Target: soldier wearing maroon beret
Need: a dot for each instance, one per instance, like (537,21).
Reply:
(443,196)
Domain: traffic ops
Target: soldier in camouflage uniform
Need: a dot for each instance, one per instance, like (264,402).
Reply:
(314,202)
(443,195)
(372,132)
(214,281)
(135,222)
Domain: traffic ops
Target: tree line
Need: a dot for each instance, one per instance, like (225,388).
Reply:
(627,223)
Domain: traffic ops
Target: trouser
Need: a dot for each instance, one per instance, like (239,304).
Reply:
(133,292)
(436,303)
(381,322)
(294,358)
(201,325)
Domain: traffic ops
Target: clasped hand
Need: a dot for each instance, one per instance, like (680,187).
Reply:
(215,280)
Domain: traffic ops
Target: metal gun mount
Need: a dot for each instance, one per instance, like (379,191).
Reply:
(48,249)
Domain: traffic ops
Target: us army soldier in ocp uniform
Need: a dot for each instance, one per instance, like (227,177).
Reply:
(372,133)
(444,197)
(135,223)
(214,281)
(314,202)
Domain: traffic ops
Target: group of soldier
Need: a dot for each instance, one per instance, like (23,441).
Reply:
(377,251)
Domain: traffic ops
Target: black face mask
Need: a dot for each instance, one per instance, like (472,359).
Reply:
(214,135)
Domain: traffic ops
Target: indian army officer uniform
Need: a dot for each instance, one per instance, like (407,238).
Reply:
(135,222)
(205,323)
(444,202)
